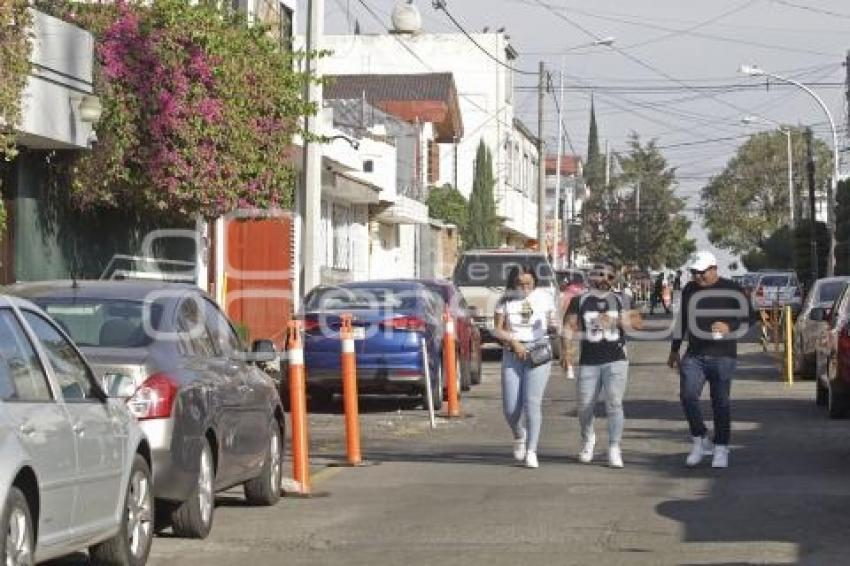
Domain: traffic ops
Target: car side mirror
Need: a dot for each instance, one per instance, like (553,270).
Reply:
(263,351)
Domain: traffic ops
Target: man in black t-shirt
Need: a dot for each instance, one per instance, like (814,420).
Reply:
(714,314)
(599,318)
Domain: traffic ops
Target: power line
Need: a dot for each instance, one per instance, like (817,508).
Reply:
(560,116)
(811,9)
(559,10)
(722,88)
(441,5)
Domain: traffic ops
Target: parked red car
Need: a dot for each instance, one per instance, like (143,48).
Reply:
(468,336)
(833,358)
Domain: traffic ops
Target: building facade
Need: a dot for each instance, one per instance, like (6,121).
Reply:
(485,92)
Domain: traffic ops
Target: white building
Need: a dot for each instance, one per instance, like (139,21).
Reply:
(486,97)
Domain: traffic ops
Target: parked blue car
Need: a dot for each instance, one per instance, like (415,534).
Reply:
(390,320)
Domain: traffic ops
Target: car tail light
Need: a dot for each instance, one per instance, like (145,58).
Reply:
(154,398)
(413,323)
(311,324)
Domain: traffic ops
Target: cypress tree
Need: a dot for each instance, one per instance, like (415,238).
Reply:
(483,228)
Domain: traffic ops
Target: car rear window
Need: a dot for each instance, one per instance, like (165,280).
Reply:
(364,298)
(774,281)
(492,270)
(828,292)
(109,323)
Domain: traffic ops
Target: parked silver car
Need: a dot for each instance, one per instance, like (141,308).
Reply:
(214,419)
(811,322)
(778,289)
(76,465)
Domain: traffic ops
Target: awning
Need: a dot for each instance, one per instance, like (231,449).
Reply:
(404,211)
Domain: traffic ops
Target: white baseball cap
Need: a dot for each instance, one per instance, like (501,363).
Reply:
(700,261)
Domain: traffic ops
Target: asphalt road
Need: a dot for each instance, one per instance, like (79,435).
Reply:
(454,496)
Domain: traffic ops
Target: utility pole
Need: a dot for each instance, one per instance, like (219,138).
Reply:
(556,230)
(607,164)
(637,224)
(810,171)
(310,192)
(541,164)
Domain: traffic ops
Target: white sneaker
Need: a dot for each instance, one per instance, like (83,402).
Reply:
(585,456)
(721,457)
(531,460)
(701,448)
(615,457)
(519,449)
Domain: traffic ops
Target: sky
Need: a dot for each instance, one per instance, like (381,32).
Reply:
(671,75)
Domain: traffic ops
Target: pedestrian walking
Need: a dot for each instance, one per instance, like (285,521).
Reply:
(522,320)
(599,318)
(657,297)
(714,313)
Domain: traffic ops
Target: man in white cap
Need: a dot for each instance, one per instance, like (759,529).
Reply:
(714,314)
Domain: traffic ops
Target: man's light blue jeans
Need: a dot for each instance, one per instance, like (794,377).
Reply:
(522,393)
(593,380)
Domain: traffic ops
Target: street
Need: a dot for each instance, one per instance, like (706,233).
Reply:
(454,496)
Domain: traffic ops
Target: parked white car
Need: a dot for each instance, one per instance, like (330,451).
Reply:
(76,466)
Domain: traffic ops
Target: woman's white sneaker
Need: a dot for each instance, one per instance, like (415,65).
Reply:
(615,457)
(531,460)
(585,455)
(519,449)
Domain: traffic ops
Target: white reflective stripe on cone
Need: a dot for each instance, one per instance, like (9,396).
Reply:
(450,327)
(296,357)
(348,346)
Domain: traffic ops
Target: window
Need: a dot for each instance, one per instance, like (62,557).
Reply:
(221,331)
(285,28)
(21,376)
(72,373)
(341,237)
(110,323)
(193,333)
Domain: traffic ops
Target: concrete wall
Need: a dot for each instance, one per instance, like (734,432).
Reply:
(61,75)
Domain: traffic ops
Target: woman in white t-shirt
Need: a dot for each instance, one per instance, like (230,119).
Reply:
(523,317)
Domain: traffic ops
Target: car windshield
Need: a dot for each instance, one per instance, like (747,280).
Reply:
(829,291)
(775,281)
(108,323)
(492,270)
(363,298)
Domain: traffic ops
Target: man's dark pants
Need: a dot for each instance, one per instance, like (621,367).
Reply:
(694,371)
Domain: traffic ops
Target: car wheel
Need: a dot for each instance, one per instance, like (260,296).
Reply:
(836,403)
(476,375)
(821,393)
(466,380)
(193,518)
(265,489)
(17,538)
(436,388)
(132,544)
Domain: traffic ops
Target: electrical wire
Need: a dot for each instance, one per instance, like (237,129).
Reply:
(811,9)
(441,5)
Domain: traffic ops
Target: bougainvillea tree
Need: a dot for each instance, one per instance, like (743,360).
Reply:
(199,110)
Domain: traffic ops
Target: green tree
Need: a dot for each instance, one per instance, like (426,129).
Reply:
(594,169)
(483,225)
(448,204)
(748,201)
(650,232)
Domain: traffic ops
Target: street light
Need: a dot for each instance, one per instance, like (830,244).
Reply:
(787,132)
(607,41)
(755,71)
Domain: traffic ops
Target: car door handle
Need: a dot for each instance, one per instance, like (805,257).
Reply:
(26,429)
(79,428)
